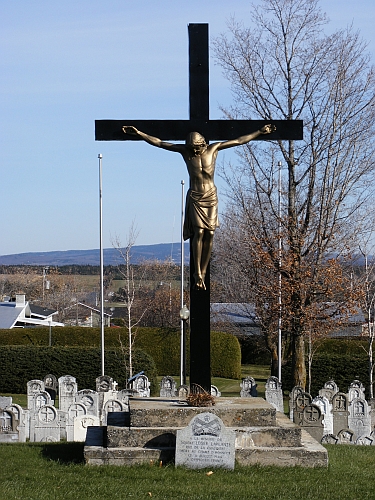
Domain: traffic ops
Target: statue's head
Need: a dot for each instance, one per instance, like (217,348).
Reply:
(196,142)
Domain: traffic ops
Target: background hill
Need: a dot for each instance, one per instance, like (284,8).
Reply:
(161,251)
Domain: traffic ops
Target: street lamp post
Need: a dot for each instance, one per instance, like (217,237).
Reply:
(101,263)
(184,315)
(280,283)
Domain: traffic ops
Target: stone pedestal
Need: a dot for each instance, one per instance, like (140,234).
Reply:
(148,433)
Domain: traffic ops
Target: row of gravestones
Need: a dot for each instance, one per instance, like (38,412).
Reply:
(334,417)
(77,410)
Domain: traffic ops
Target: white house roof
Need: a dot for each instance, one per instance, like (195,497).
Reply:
(20,313)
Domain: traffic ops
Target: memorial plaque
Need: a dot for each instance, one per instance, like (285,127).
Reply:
(205,442)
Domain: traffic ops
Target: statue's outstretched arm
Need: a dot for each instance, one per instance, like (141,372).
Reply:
(244,139)
(154,141)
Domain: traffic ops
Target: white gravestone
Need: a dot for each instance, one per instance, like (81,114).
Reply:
(33,388)
(81,424)
(274,393)
(295,392)
(5,401)
(67,391)
(326,408)
(47,428)
(359,420)
(8,427)
(205,442)
(90,399)
(75,410)
(215,391)
(22,421)
(142,385)
(167,387)
(356,390)
(113,405)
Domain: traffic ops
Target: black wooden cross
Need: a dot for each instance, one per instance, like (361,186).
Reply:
(177,130)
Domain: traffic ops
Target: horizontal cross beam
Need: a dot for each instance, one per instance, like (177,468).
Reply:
(212,130)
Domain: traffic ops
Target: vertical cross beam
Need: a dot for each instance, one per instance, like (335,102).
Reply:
(200,357)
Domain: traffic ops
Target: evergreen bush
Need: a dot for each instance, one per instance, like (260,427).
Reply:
(162,344)
(23,363)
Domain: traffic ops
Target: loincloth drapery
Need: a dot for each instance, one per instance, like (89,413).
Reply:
(201,211)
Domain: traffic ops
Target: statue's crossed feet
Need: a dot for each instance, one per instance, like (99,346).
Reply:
(199,283)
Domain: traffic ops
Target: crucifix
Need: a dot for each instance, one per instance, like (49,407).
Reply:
(200,157)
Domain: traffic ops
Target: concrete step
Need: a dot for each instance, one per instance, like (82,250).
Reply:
(157,437)
(310,454)
(234,412)
(96,455)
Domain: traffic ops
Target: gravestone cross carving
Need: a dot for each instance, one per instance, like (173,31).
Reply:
(179,130)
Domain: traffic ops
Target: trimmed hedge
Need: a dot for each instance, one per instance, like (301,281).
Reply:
(162,344)
(20,364)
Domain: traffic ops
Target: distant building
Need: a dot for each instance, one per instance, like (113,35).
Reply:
(241,318)
(19,313)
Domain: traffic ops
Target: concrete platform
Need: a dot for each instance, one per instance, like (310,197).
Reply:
(148,433)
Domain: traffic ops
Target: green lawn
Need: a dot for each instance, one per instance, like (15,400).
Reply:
(40,471)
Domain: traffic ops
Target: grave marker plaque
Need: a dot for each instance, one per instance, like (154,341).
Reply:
(205,442)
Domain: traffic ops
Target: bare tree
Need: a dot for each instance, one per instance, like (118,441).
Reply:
(285,67)
(129,292)
(364,280)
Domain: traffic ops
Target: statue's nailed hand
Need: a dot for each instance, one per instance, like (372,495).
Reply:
(268,129)
(129,129)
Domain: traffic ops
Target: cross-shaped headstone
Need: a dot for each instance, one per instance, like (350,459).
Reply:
(177,130)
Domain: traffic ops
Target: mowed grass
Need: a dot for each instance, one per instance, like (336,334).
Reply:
(37,471)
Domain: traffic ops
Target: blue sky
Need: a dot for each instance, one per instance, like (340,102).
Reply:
(65,64)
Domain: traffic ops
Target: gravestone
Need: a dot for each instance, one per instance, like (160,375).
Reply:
(329,390)
(75,410)
(215,391)
(67,391)
(81,424)
(345,436)
(105,389)
(302,400)
(167,387)
(5,401)
(33,388)
(365,441)
(51,386)
(183,391)
(90,399)
(356,390)
(329,439)
(8,427)
(294,393)
(22,421)
(40,399)
(111,406)
(359,420)
(326,408)
(312,421)
(205,442)
(141,385)
(104,383)
(248,388)
(340,412)
(47,428)
(274,393)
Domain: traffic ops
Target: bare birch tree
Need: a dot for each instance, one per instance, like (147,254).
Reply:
(285,67)
(129,292)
